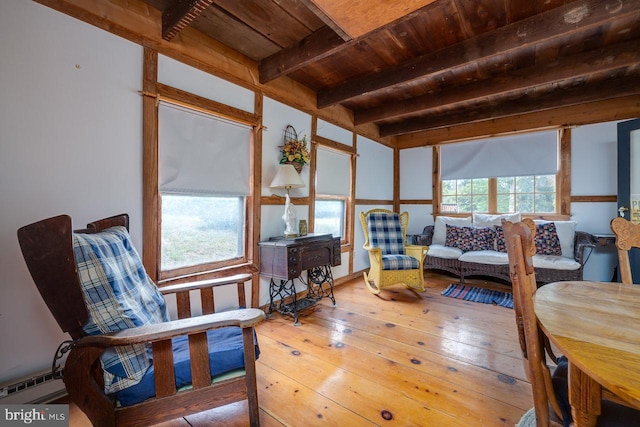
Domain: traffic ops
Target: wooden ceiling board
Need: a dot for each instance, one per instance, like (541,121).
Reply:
(268,18)
(217,24)
(302,13)
(359,17)
(481,16)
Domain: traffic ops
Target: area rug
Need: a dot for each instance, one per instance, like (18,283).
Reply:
(475,294)
(528,419)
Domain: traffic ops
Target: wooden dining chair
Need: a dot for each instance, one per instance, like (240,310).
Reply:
(128,364)
(627,237)
(549,387)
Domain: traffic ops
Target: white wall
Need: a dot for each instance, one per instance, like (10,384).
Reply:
(594,172)
(70,142)
(416,183)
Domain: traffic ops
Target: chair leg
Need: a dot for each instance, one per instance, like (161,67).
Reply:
(370,285)
(250,377)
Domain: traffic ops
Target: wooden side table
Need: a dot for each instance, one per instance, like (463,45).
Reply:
(285,259)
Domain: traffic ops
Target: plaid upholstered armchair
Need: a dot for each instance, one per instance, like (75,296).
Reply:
(392,261)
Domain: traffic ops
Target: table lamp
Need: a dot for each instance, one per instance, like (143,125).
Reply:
(288,178)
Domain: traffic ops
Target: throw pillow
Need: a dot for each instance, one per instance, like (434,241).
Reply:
(456,237)
(119,295)
(546,239)
(470,238)
(566,233)
(501,244)
(439,229)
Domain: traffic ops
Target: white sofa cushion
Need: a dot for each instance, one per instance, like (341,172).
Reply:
(555,262)
(440,227)
(485,257)
(566,234)
(486,220)
(442,251)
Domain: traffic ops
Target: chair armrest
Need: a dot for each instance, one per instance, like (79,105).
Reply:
(425,238)
(416,251)
(161,331)
(202,284)
(582,242)
(83,361)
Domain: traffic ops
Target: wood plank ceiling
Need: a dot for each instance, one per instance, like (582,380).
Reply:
(415,65)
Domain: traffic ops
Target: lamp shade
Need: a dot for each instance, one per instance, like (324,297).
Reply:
(287,177)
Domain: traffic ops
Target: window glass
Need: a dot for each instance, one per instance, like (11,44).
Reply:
(469,195)
(201,229)
(530,194)
(330,217)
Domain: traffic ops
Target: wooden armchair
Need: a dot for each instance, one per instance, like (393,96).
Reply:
(550,388)
(392,261)
(627,237)
(185,356)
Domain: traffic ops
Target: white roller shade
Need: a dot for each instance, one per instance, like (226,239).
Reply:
(333,172)
(517,155)
(200,153)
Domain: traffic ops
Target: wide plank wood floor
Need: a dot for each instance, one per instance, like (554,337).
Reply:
(401,359)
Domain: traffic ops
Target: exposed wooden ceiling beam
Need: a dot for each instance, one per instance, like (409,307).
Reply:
(312,49)
(318,45)
(180,14)
(559,22)
(606,89)
(593,112)
(579,65)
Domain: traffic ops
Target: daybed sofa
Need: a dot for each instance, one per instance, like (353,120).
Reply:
(474,246)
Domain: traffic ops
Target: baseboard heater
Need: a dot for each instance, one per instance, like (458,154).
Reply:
(39,388)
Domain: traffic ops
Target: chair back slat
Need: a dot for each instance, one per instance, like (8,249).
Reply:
(627,237)
(520,250)
(47,247)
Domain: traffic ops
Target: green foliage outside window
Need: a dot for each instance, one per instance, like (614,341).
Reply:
(530,194)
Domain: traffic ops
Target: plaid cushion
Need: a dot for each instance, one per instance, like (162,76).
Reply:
(119,295)
(399,262)
(547,241)
(385,232)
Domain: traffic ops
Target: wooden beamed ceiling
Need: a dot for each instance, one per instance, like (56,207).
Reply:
(415,66)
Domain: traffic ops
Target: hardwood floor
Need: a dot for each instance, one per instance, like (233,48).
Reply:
(401,359)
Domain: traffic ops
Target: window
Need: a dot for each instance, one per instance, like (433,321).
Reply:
(204,182)
(469,195)
(333,187)
(500,175)
(330,216)
(528,194)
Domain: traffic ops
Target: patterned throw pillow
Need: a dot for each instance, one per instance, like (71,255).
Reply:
(501,244)
(547,241)
(456,237)
(470,238)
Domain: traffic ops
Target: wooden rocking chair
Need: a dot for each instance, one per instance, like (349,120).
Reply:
(50,249)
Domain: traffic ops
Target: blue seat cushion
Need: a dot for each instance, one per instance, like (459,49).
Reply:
(399,262)
(226,354)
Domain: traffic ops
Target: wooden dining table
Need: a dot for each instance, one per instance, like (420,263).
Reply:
(596,325)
